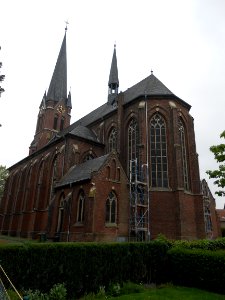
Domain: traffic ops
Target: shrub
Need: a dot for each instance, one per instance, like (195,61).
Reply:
(84,266)
(198,268)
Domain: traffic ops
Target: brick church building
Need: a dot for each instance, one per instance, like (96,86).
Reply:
(126,171)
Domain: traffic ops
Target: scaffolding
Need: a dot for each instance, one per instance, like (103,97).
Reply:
(139,202)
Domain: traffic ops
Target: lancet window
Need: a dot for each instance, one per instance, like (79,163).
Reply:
(184,158)
(112,141)
(80,207)
(158,152)
(111,202)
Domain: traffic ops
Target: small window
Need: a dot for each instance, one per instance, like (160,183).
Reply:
(62,123)
(55,122)
(112,141)
(80,208)
(111,202)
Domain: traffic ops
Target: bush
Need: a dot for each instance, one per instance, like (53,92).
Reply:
(84,266)
(198,268)
(217,244)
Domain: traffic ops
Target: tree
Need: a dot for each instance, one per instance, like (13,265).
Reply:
(2,77)
(3,176)
(219,155)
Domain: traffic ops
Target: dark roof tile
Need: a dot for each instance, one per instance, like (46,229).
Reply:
(82,171)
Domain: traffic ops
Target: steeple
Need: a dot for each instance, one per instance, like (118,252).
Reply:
(113,83)
(58,85)
(55,108)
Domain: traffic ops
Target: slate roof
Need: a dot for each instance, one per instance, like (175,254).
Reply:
(58,85)
(82,171)
(84,132)
(149,86)
(113,76)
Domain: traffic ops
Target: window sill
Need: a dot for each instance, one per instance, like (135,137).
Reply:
(78,224)
(114,225)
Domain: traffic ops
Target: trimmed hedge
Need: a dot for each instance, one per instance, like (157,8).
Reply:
(84,267)
(198,268)
(217,244)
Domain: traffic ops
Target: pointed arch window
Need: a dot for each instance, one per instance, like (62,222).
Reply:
(54,174)
(183,144)
(133,150)
(39,185)
(60,214)
(158,152)
(112,141)
(62,123)
(208,220)
(80,207)
(55,124)
(111,206)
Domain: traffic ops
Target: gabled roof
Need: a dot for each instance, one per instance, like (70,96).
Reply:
(82,171)
(149,86)
(58,85)
(84,132)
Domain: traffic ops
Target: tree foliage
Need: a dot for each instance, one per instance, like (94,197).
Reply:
(2,77)
(219,175)
(3,177)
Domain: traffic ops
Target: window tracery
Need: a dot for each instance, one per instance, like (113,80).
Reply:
(158,152)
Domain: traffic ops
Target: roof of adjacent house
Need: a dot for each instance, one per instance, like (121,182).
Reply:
(82,171)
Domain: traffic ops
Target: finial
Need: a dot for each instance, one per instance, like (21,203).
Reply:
(151,71)
(115,45)
(66,25)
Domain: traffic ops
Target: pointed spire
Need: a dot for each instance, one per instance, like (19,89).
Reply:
(113,83)
(69,102)
(58,85)
(43,101)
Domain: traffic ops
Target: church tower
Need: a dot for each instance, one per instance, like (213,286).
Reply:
(113,83)
(55,108)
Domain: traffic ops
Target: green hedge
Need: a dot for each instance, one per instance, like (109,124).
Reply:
(84,267)
(202,244)
(198,268)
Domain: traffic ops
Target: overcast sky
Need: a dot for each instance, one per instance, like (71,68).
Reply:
(183,42)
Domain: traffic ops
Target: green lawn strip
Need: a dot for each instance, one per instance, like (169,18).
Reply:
(176,293)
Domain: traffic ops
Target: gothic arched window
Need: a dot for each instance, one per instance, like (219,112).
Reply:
(39,185)
(111,202)
(55,123)
(62,123)
(133,152)
(208,220)
(184,158)
(80,207)
(112,141)
(158,152)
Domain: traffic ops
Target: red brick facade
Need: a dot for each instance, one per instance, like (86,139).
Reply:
(45,194)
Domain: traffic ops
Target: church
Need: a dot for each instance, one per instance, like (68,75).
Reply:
(126,171)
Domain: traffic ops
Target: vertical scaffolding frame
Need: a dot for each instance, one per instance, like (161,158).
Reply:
(139,194)
(139,202)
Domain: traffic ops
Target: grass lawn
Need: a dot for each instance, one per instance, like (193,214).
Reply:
(175,293)
(164,293)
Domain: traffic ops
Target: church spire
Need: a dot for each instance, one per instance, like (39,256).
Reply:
(113,83)
(58,85)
